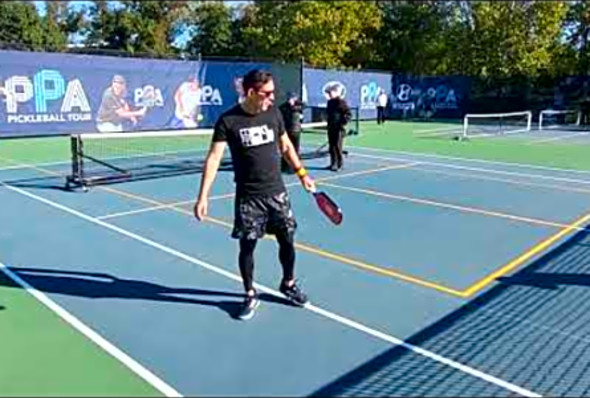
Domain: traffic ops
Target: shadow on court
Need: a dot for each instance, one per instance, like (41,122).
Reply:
(51,183)
(58,182)
(531,329)
(99,285)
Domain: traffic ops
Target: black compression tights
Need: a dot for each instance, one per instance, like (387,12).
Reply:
(286,257)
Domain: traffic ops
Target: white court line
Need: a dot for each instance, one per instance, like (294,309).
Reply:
(103,343)
(315,309)
(493,162)
(483,170)
(440,129)
(142,210)
(21,166)
(563,137)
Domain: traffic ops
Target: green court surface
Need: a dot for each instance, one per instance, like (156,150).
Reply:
(394,135)
(399,136)
(43,356)
(460,270)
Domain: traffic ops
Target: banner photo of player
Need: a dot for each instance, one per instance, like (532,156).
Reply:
(187,99)
(114,109)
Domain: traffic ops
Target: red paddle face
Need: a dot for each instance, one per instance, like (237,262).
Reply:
(328,207)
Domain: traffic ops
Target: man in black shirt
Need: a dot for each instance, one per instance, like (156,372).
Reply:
(255,133)
(338,116)
(292,110)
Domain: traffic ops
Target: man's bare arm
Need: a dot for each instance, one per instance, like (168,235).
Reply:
(211,166)
(290,155)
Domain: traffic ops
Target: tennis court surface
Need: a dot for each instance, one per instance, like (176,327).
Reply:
(460,269)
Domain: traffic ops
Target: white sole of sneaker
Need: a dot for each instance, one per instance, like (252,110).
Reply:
(250,315)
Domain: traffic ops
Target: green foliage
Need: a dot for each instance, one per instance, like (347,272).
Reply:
(213,26)
(488,39)
(20,26)
(135,27)
(511,38)
(577,33)
(415,37)
(324,33)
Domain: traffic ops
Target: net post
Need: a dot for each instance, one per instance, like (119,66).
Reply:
(541,120)
(77,176)
(465,124)
(301,76)
(529,120)
(357,124)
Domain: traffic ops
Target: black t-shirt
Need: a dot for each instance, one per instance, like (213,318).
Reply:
(292,116)
(253,141)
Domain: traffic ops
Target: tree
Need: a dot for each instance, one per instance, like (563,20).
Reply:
(213,34)
(108,28)
(147,27)
(577,38)
(323,32)
(20,26)
(510,38)
(155,25)
(416,36)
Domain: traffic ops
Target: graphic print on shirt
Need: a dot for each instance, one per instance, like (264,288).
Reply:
(256,136)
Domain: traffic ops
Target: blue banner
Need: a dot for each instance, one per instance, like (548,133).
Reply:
(424,97)
(52,94)
(429,97)
(359,89)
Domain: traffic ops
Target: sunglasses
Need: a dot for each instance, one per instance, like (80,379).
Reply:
(266,94)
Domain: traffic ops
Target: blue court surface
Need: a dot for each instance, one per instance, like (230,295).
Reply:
(448,277)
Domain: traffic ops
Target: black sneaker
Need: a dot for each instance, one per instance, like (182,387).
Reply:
(294,294)
(249,307)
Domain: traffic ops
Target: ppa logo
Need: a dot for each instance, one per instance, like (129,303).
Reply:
(369,94)
(210,96)
(148,96)
(336,86)
(48,87)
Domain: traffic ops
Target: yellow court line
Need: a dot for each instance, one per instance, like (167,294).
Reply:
(466,209)
(524,257)
(232,195)
(310,249)
(336,177)
(380,270)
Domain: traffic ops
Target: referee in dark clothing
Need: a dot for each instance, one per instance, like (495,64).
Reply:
(338,116)
(292,109)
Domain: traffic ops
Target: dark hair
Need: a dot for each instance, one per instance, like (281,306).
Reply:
(255,79)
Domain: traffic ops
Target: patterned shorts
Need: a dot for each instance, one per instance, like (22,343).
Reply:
(257,215)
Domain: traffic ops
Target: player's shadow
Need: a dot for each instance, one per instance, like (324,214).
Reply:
(100,285)
(550,281)
(2,307)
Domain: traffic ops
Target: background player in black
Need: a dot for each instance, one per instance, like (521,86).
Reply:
(292,110)
(255,133)
(338,116)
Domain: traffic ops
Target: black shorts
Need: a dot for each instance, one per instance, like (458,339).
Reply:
(265,214)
